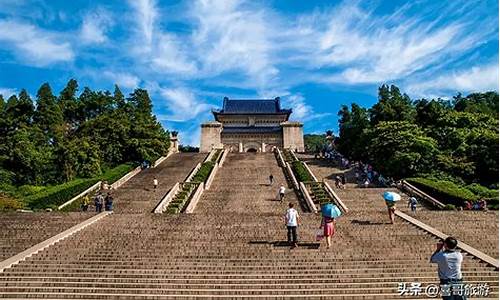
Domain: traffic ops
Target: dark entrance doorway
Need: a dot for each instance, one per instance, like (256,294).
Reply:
(252,150)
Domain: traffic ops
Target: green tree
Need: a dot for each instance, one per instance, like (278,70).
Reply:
(392,106)
(48,115)
(404,147)
(69,104)
(352,125)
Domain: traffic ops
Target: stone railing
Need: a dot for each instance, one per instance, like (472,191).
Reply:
(281,160)
(162,206)
(96,186)
(335,198)
(195,194)
(223,158)
(193,172)
(194,199)
(310,204)
(310,172)
(295,183)
(163,158)
(211,177)
(412,190)
(125,178)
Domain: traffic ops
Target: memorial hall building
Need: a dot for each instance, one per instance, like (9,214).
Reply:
(252,126)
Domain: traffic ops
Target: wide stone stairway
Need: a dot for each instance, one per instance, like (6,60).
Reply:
(233,246)
(139,196)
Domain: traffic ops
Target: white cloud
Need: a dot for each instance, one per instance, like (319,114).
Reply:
(183,104)
(233,36)
(146,13)
(94,27)
(36,46)
(169,58)
(124,80)
(7,92)
(355,46)
(475,79)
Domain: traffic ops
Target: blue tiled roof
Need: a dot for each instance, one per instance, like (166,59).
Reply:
(251,106)
(267,129)
(263,106)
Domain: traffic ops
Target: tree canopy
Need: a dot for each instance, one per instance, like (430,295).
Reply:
(59,138)
(455,139)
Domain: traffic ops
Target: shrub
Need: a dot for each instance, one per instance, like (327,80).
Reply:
(117,172)
(449,207)
(203,172)
(58,194)
(7,203)
(300,171)
(445,191)
(482,191)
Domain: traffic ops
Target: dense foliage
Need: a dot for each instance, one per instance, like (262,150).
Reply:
(69,136)
(456,140)
(314,143)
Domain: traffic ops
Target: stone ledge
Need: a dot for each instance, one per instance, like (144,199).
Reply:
(472,251)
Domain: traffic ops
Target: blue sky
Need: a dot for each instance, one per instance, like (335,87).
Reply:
(315,55)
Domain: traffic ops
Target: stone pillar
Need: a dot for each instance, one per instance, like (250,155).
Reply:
(174,144)
(240,147)
(210,136)
(293,136)
(263,147)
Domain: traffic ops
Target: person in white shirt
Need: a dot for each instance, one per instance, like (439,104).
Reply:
(155,183)
(292,220)
(282,193)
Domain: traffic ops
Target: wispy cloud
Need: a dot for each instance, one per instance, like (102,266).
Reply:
(34,45)
(366,48)
(182,104)
(146,13)
(95,26)
(234,36)
(122,79)
(475,79)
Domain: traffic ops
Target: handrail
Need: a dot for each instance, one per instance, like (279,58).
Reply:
(193,172)
(160,208)
(309,201)
(223,157)
(310,172)
(281,160)
(421,194)
(465,247)
(336,198)
(125,178)
(292,176)
(90,189)
(195,198)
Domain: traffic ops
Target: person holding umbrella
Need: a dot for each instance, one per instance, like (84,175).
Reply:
(390,200)
(329,213)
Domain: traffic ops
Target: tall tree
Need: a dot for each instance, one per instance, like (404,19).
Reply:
(68,103)
(48,115)
(392,106)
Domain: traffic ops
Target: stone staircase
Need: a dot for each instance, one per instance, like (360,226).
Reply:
(138,195)
(233,246)
(20,231)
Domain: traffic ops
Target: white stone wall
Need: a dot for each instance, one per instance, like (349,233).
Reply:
(210,136)
(293,136)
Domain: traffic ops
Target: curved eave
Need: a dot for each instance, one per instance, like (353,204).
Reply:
(284,112)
